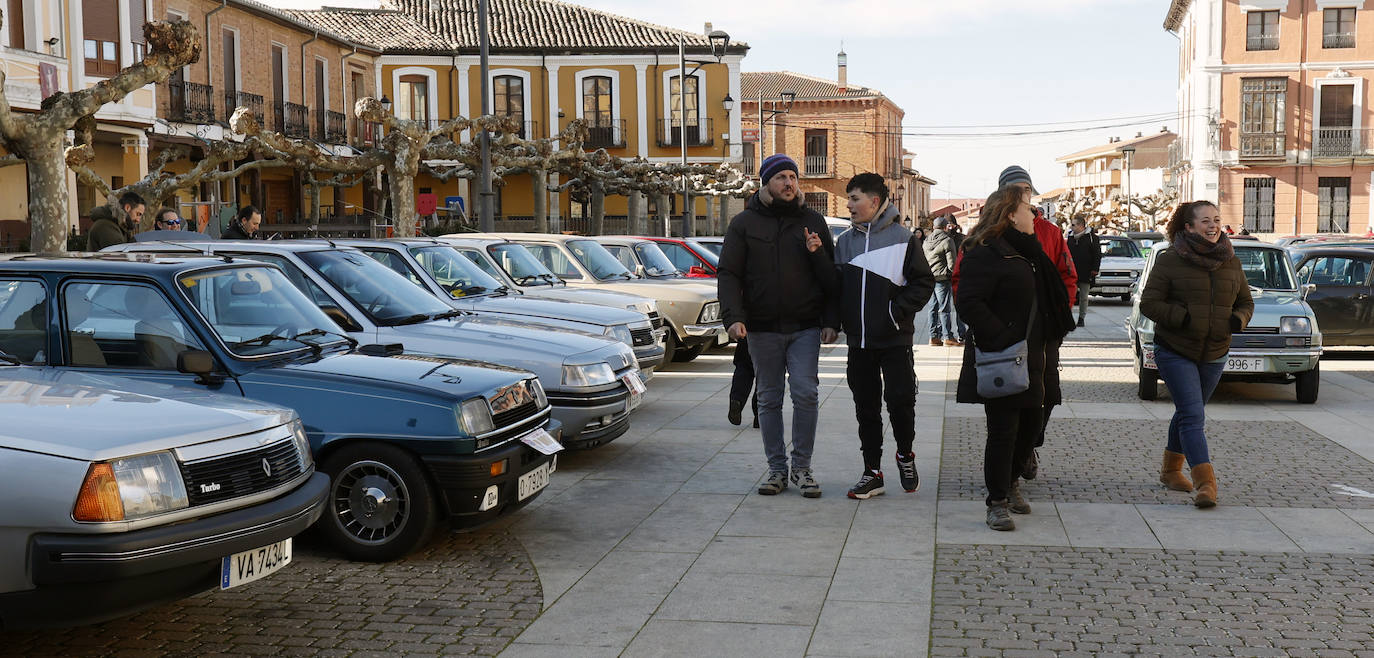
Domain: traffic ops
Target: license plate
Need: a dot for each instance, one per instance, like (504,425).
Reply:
(541,440)
(722,338)
(637,389)
(1239,364)
(1116,290)
(533,481)
(248,566)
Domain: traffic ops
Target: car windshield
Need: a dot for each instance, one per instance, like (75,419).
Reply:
(1266,269)
(653,259)
(521,265)
(387,297)
(598,261)
(1120,248)
(707,251)
(454,272)
(256,311)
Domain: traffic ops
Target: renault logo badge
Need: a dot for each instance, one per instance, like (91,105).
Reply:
(266,467)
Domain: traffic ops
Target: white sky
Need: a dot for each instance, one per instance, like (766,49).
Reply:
(960,63)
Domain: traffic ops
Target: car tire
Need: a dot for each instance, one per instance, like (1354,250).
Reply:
(402,522)
(685,354)
(670,345)
(1308,384)
(1149,384)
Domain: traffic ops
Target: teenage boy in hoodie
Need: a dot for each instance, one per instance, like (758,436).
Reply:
(884,280)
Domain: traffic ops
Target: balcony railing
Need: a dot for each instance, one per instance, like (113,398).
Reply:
(190,102)
(817,165)
(335,128)
(607,135)
(1342,143)
(293,120)
(698,133)
(1262,145)
(1262,42)
(1338,40)
(236,99)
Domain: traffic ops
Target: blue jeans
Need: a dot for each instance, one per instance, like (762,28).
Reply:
(1191,384)
(942,318)
(793,357)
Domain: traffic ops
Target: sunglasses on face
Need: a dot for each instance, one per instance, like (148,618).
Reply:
(170,222)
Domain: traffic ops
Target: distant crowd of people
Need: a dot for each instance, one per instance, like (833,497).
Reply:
(106,229)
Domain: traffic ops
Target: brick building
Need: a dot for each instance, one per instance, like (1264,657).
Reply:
(833,130)
(1273,96)
(1137,166)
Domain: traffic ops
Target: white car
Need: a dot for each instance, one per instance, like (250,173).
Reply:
(1119,273)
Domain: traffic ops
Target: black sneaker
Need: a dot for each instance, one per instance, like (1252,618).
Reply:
(1080,322)
(870,485)
(1016,502)
(999,517)
(1032,467)
(736,408)
(906,471)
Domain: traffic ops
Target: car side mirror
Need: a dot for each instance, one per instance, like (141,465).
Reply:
(696,270)
(1307,289)
(201,364)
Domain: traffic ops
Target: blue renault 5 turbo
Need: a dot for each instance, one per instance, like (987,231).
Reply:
(408,440)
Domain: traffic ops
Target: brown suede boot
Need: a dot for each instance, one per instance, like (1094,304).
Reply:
(1205,481)
(1171,473)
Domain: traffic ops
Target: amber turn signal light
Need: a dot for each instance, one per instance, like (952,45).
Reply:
(99,498)
(498,468)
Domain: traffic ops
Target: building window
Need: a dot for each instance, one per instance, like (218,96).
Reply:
(508,99)
(1262,30)
(1335,133)
(817,153)
(137,17)
(1259,205)
(686,116)
(412,101)
(1338,28)
(749,165)
(100,30)
(14,20)
(597,110)
(1263,102)
(818,201)
(1333,205)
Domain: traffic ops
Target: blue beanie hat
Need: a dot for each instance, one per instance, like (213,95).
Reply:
(1015,174)
(774,164)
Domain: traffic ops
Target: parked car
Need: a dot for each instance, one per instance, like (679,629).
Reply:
(129,494)
(1342,292)
(1296,251)
(692,309)
(1282,344)
(1120,270)
(1146,240)
(641,256)
(406,440)
(713,243)
(837,226)
(1295,240)
(438,268)
(591,381)
(689,255)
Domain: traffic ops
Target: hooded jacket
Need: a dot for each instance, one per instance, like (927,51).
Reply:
(940,248)
(767,279)
(105,230)
(884,281)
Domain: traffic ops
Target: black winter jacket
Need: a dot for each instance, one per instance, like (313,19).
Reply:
(884,280)
(236,232)
(1086,253)
(766,277)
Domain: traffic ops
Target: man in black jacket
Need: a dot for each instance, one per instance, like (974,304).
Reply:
(776,282)
(1087,258)
(244,225)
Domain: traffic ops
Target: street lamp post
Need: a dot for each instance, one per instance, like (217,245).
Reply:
(486,219)
(786,97)
(1129,153)
(720,42)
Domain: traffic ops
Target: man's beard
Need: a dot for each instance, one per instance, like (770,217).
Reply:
(782,207)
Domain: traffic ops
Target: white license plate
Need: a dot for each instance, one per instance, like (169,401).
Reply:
(1114,290)
(248,566)
(1247,364)
(722,338)
(541,440)
(533,482)
(637,389)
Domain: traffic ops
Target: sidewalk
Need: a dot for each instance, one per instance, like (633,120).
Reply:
(656,544)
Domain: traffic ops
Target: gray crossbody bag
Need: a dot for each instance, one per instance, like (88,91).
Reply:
(1004,372)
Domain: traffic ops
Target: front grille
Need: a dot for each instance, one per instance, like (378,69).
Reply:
(240,474)
(1260,330)
(656,319)
(642,337)
(513,416)
(1114,274)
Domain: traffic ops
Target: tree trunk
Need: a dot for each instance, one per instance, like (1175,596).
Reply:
(541,200)
(598,210)
(47,192)
(315,204)
(634,207)
(722,215)
(689,215)
(403,215)
(661,220)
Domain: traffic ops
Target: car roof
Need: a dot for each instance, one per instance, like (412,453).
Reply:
(110,262)
(1312,252)
(622,238)
(280,246)
(542,237)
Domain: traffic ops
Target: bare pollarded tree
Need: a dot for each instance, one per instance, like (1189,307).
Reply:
(36,138)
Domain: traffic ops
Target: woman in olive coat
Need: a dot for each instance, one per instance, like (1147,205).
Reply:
(1002,269)
(1197,295)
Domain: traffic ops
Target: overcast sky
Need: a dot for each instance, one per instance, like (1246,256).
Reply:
(962,63)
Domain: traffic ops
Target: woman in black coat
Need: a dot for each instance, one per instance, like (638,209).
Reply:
(1002,269)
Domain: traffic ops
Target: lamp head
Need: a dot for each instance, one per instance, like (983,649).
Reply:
(386,103)
(728,103)
(787,98)
(720,42)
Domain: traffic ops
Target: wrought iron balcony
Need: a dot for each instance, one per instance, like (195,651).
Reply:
(817,165)
(335,128)
(1338,40)
(190,102)
(606,135)
(1342,143)
(1262,42)
(234,100)
(697,133)
(293,120)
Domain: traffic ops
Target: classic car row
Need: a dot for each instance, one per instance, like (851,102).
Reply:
(430,381)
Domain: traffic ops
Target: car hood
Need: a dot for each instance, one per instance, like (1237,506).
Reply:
(554,309)
(610,298)
(538,350)
(1271,305)
(1122,263)
(677,290)
(413,371)
(93,418)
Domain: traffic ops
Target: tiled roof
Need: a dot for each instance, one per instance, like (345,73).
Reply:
(1114,147)
(515,26)
(1174,18)
(773,83)
(292,17)
(387,29)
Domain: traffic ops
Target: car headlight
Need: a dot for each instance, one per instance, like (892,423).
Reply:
(538,389)
(646,306)
(621,333)
(131,488)
(710,312)
(1135,274)
(302,445)
(475,416)
(592,374)
(1295,324)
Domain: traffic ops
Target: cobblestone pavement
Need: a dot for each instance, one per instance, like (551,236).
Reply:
(1259,463)
(1048,601)
(465,594)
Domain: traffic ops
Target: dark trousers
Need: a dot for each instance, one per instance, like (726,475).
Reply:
(876,375)
(1011,437)
(743,381)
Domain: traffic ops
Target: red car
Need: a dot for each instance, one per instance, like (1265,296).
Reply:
(689,256)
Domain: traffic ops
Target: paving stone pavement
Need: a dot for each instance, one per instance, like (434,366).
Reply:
(464,594)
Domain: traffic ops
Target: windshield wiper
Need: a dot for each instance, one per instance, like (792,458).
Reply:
(265,339)
(410,319)
(352,342)
(448,314)
(528,279)
(10,358)
(503,290)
